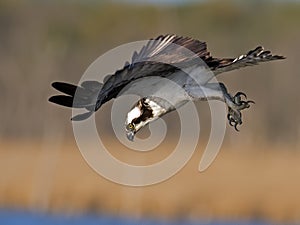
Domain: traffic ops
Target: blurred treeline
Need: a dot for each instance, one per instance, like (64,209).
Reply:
(43,41)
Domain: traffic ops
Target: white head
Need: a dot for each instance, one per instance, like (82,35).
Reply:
(142,113)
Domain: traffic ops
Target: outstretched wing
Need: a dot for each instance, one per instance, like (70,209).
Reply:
(159,57)
(253,57)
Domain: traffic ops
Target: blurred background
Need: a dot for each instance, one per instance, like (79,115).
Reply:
(44,179)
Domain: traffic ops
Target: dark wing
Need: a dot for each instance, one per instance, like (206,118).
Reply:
(253,57)
(86,96)
(160,50)
(159,57)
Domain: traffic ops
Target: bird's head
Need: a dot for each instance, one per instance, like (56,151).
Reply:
(142,113)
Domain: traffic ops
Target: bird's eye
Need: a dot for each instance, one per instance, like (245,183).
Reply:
(130,126)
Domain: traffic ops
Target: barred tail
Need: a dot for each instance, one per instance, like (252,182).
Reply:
(83,96)
(253,57)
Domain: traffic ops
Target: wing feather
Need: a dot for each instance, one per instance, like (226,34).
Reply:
(148,62)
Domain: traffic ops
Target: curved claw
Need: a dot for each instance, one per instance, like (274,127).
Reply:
(246,104)
(240,94)
(231,121)
(235,127)
(234,123)
(229,117)
(250,101)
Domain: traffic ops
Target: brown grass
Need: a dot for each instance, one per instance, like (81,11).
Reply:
(245,182)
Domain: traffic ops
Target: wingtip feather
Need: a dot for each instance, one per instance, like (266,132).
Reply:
(62,100)
(65,88)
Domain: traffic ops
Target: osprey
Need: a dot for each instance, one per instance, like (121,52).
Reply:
(147,75)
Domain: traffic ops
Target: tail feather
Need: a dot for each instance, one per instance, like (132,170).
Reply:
(253,57)
(259,55)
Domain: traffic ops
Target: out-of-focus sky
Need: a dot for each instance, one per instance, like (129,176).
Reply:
(181,2)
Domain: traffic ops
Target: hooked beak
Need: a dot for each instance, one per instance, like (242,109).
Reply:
(130,135)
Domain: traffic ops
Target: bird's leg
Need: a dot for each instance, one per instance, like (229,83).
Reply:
(235,103)
(218,91)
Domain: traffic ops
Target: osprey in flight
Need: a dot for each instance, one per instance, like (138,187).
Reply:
(145,76)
